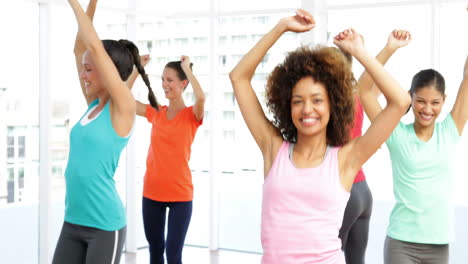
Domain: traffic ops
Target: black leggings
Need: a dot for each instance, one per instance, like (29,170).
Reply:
(354,231)
(86,245)
(154,221)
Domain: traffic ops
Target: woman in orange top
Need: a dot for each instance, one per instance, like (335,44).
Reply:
(168,180)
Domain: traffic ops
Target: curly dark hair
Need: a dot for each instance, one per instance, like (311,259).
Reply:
(327,65)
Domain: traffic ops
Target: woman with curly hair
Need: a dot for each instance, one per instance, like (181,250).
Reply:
(309,160)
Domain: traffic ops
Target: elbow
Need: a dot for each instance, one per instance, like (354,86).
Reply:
(404,102)
(233,76)
(201,99)
(236,76)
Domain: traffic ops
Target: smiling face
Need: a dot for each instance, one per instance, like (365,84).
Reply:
(171,83)
(310,107)
(90,76)
(427,103)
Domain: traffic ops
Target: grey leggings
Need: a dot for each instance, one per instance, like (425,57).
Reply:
(86,245)
(401,252)
(354,230)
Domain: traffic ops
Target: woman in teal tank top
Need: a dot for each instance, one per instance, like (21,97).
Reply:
(94,225)
(421,153)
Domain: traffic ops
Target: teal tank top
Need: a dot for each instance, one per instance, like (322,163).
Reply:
(91,197)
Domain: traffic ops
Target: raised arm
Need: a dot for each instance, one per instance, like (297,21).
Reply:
(140,107)
(144,59)
(359,150)
(260,127)
(460,108)
(199,105)
(79,49)
(368,91)
(123,104)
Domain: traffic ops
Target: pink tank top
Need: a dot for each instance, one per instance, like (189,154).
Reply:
(302,211)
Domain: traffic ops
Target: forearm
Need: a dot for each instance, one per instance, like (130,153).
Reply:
(86,32)
(245,69)
(392,91)
(197,90)
(365,82)
(465,69)
(90,11)
(460,110)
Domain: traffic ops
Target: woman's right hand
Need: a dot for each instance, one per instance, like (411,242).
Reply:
(350,41)
(398,39)
(144,59)
(301,22)
(185,63)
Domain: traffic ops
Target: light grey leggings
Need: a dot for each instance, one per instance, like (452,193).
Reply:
(401,252)
(86,245)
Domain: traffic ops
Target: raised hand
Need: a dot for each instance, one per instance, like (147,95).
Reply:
(185,62)
(301,22)
(144,59)
(398,39)
(350,41)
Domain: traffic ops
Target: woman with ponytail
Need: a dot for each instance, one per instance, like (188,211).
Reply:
(94,224)
(168,180)
(422,154)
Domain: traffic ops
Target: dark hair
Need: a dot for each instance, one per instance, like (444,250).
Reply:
(177,66)
(429,77)
(327,65)
(125,54)
(426,78)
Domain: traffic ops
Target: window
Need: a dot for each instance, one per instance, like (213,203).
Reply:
(228,115)
(11,174)
(160,25)
(189,97)
(222,60)
(264,61)
(228,135)
(162,59)
(229,99)
(16,142)
(238,20)
(255,37)
(10,147)
(146,25)
(260,76)
(200,40)
(162,43)
(145,46)
(222,40)
(57,171)
(21,178)
(239,39)
(21,146)
(236,58)
(181,42)
(260,19)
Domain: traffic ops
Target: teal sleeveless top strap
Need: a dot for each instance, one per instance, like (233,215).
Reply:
(91,197)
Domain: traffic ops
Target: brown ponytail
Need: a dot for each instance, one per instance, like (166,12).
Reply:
(136,60)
